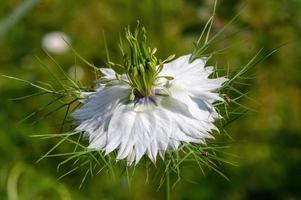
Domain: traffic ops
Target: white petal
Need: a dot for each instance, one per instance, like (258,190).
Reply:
(108,73)
(120,127)
(101,102)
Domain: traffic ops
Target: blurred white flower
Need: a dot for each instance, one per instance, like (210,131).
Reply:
(180,109)
(76,72)
(56,42)
(203,13)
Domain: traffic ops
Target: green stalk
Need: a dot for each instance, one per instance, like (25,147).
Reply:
(7,23)
(167,182)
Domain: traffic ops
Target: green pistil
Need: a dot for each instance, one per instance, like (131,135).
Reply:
(139,64)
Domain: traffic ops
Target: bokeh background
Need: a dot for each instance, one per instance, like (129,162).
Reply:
(267,142)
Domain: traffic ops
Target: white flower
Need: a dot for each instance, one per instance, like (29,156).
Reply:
(180,110)
(56,42)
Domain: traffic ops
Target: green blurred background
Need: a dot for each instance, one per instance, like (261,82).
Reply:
(267,142)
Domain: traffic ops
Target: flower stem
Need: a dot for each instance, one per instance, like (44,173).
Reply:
(7,23)
(167,182)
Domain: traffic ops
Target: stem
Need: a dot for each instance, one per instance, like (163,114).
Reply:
(23,9)
(167,182)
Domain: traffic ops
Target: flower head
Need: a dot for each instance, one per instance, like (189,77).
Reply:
(178,109)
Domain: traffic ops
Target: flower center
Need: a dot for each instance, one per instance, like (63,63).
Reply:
(140,64)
